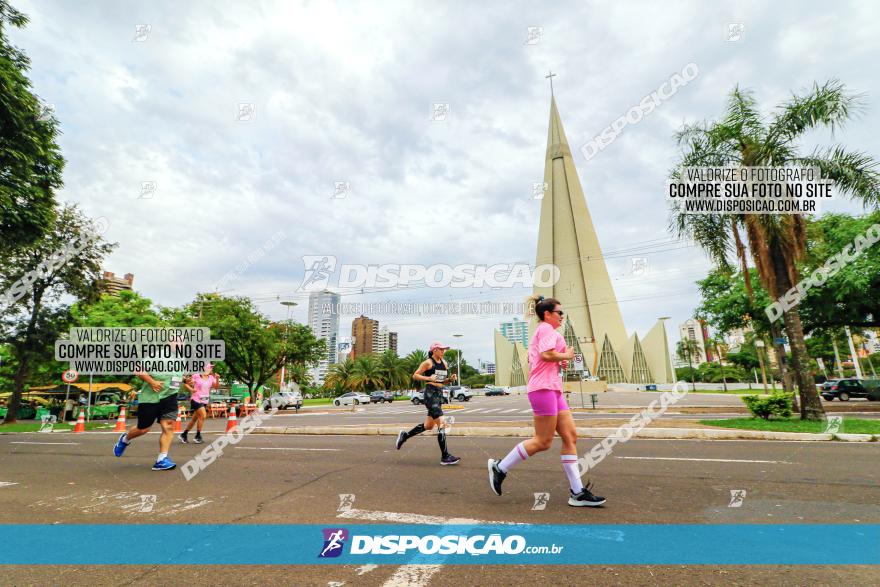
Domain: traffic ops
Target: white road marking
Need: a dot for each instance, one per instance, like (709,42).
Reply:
(510,411)
(412,576)
(705,460)
(492,410)
(376,516)
(285,448)
(366,569)
(7,483)
(24,442)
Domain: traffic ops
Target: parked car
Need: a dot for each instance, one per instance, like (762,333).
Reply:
(843,389)
(493,390)
(462,393)
(418,396)
(377,397)
(284,400)
(352,397)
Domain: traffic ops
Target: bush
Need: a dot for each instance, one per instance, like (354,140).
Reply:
(777,404)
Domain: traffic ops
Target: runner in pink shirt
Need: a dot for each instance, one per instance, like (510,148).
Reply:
(199,386)
(547,354)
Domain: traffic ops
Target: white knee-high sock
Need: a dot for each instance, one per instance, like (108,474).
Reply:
(570,465)
(517,455)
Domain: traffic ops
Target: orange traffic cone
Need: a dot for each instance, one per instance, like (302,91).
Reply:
(120,421)
(80,422)
(232,421)
(178,427)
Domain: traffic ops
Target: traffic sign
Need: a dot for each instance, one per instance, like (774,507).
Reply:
(69,376)
(578,362)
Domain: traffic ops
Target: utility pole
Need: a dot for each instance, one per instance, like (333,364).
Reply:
(852,351)
(759,346)
(837,356)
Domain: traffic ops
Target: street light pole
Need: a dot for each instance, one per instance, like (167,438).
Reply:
(458,379)
(289,305)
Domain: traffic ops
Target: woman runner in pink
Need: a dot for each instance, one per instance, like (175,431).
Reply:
(547,353)
(199,386)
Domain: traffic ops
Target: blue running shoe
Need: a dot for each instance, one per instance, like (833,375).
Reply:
(165,464)
(120,446)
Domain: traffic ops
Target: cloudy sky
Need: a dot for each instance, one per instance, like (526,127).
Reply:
(344,92)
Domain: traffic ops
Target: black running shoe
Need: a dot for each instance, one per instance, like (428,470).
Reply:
(449,460)
(198,439)
(183,438)
(585,498)
(496,477)
(401,438)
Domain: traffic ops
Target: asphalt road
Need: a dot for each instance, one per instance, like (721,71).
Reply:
(296,479)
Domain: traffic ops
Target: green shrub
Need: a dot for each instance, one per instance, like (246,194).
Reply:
(777,404)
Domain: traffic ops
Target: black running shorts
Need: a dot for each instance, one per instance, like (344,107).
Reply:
(434,401)
(164,409)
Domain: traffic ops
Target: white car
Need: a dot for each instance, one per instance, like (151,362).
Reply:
(352,397)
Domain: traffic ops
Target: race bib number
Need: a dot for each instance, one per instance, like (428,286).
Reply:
(440,375)
(175,383)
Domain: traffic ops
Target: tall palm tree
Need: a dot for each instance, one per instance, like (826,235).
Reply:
(687,349)
(366,374)
(715,344)
(393,370)
(743,137)
(411,362)
(339,375)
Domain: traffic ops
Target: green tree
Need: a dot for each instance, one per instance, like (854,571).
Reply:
(776,242)
(256,347)
(394,373)
(411,363)
(688,350)
(125,309)
(366,374)
(41,276)
(339,376)
(30,159)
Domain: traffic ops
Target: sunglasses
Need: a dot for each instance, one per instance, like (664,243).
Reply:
(560,312)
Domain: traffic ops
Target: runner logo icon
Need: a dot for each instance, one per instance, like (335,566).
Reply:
(334,540)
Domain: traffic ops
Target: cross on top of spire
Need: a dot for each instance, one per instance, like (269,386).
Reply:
(550,75)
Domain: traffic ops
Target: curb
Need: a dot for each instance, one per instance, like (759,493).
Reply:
(523,431)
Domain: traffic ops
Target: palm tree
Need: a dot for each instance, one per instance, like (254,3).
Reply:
(685,349)
(339,375)
(714,343)
(776,242)
(411,362)
(393,370)
(366,374)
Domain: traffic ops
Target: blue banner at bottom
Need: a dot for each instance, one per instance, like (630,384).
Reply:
(308,544)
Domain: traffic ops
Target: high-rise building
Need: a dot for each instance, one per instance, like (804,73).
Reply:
(324,323)
(487,368)
(516,331)
(364,334)
(385,340)
(110,284)
(694,330)
(593,324)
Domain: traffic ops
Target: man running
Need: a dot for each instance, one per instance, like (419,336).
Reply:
(547,354)
(157,401)
(434,373)
(199,386)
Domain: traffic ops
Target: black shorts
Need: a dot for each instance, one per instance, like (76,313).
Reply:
(434,401)
(194,405)
(165,409)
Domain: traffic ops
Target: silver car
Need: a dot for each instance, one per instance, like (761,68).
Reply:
(351,398)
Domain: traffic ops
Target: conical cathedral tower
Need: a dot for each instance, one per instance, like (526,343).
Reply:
(567,239)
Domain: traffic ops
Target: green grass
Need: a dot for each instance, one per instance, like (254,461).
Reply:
(30,426)
(849,425)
